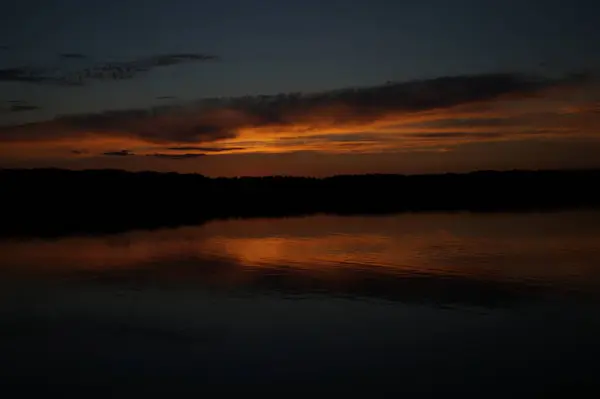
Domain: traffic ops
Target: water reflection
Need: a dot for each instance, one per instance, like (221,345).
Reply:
(473,258)
(208,308)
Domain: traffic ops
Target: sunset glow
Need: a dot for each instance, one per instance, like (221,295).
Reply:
(567,111)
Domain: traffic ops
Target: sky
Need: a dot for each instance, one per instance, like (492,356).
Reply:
(271,87)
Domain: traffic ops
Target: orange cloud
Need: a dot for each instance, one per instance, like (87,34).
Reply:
(411,116)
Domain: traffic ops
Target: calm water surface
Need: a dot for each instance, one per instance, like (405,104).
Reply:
(481,304)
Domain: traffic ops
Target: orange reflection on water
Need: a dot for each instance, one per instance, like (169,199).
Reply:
(558,248)
(316,252)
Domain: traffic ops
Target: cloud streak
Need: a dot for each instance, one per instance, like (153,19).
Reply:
(100,71)
(204,149)
(120,153)
(389,117)
(129,153)
(23,107)
(30,75)
(176,156)
(18,106)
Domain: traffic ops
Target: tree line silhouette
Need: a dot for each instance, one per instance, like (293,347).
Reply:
(46,202)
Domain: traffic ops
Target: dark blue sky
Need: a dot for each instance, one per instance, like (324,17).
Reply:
(271,46)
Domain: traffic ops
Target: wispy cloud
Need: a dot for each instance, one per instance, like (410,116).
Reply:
(129,153)
(204,149)
(176,156)
(120,153)
(18,106)
(129,69)
(454,135)
(389,117)
(114,70)
(31,75)
(23,107)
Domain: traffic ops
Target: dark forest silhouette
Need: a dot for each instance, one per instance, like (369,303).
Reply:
(47,202)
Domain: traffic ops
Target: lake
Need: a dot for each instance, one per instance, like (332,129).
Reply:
(481,304)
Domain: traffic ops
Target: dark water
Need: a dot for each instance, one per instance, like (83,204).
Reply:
(488,305)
